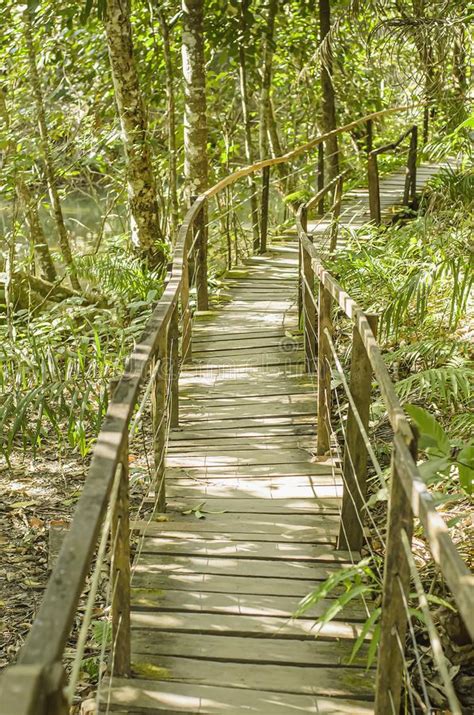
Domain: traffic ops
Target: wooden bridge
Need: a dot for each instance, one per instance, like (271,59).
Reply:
(255,504)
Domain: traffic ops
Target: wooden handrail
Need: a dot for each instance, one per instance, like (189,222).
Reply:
(39,669)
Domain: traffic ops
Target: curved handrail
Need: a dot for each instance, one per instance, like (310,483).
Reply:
(46,641)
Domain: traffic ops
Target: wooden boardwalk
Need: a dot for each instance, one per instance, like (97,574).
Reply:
(251,526)
(355,203)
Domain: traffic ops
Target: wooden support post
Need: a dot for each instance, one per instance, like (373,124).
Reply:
(309,310)
(264,209)
(186,338)
(173,363)
(324,373)
(370,136)
(396,583)
(320,210)
(355,451)
(254,213)
(426,124)
(336,212)
(409,194)
(120,539)
(202,296)
(374,188)
(304,226)
(159,420)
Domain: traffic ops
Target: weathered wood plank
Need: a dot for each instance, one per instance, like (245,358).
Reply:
(259,506)
(182,580)
(245,650)
(261,626)
(141,696)
(330,682)
(235,604)
(266,551)
(253,568)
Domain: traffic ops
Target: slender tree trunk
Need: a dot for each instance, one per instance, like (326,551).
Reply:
(275,143)
(460,74)
(37,236)
(171,115)
(267,78)
(327,89)
(46,150)
(143,204)
(195,121)
(249,155)
(195,128)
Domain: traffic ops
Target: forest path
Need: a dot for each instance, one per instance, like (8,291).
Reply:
(251,524)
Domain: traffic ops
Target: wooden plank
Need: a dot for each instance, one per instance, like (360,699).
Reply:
(141,696)
(241,457)
(248,568)
(235,604)
(266,551)
(297,528)
(264,482)
(330,682)
(251,469)
(270,408)
(258,422)
(323,488)
(261,626)
(182,580)
(259,506)
(245,650)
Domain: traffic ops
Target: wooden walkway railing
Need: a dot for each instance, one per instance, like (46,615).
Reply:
(41,683)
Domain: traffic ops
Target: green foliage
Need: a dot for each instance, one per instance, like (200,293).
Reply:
(444,458)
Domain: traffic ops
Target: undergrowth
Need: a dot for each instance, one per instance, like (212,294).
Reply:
(56,363)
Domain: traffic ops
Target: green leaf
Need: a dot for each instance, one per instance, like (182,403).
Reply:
(432,433)
(465,461)
(368,625)
(434,466)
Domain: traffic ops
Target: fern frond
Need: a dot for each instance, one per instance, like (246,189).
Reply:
(449,385)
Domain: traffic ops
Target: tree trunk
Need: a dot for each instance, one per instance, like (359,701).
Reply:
(37,237)
(327,89)
(267,78)
(244,98)
(46,150)
(195,128)
(143,204)
(171,114)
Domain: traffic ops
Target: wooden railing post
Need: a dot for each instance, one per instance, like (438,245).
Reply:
(324,373)
(409,193)
(355,450)
(120,539)
(173,358)
(309,311)
(264,208)
(336,212)
(200,224)
(374,188)
(396,585)
(159,420)
(370,136)
(187,329)
(34,690)
(320,209)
